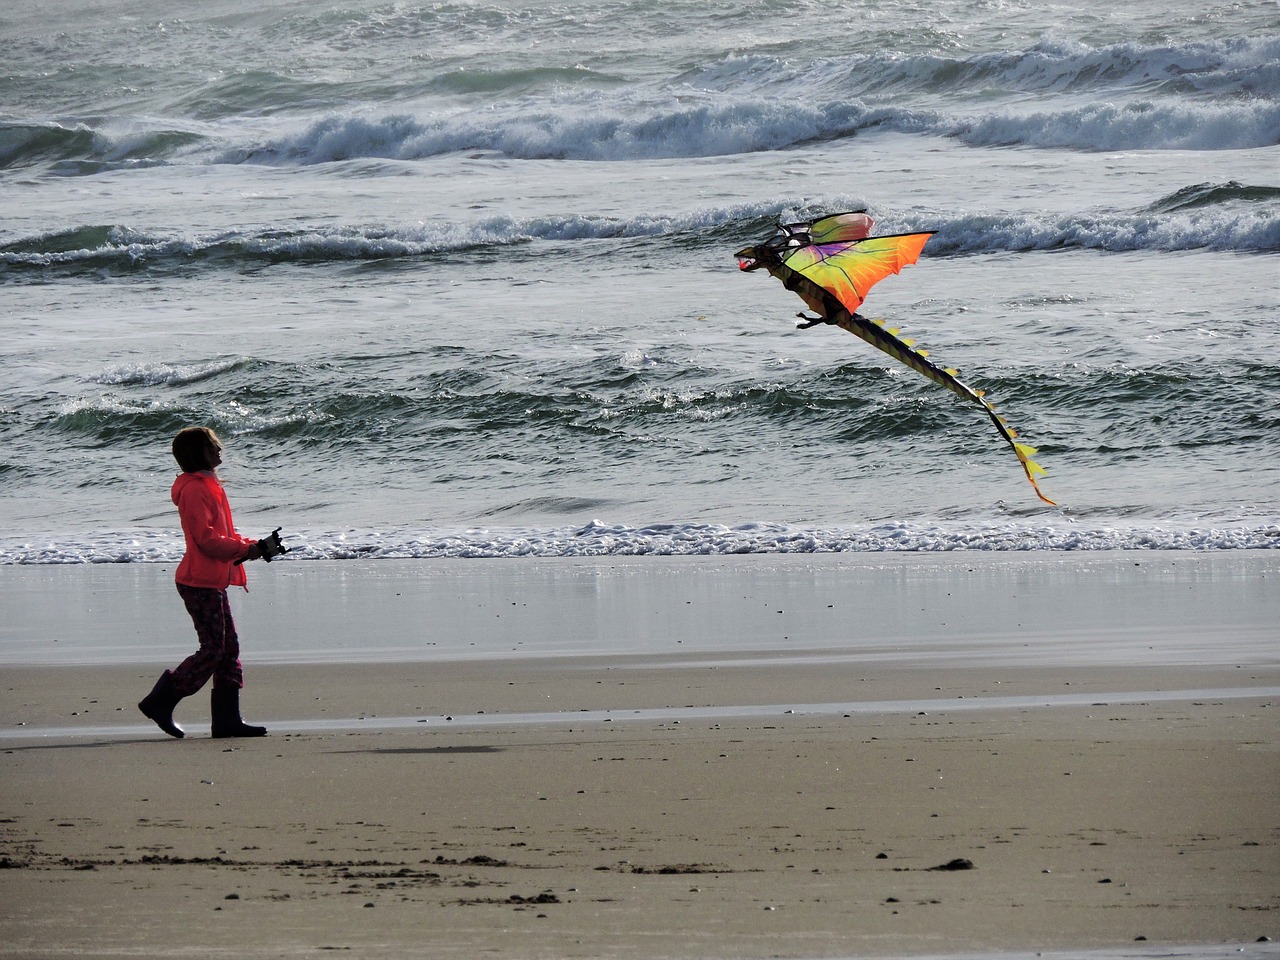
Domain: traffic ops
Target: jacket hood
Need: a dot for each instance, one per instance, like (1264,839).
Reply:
(183,481)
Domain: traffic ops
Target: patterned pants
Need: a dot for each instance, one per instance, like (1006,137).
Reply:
(219,653)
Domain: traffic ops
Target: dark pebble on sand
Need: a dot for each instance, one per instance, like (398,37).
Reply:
(959,863)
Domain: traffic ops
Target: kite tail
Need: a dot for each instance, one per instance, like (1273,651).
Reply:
(1022,451)
(904,351)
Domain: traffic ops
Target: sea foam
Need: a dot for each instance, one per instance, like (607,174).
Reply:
(601,539)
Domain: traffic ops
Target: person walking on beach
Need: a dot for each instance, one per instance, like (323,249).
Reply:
(213,562)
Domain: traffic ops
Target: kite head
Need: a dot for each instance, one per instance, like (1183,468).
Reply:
(749,258)
(768,254)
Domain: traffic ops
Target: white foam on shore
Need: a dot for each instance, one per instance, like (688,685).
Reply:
(602,539)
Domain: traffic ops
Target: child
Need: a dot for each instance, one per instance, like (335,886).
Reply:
(213,562)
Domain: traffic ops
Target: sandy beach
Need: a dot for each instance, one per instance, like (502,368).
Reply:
(780,787)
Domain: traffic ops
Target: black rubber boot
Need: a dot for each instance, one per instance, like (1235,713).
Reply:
(159,703)
(225,704)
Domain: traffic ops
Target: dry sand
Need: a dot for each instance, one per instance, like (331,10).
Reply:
(521,808)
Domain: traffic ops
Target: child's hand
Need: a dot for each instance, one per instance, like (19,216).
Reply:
(255,553)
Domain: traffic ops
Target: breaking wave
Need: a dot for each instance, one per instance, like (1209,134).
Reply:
(615,133)
(1208,216)
(1194,96)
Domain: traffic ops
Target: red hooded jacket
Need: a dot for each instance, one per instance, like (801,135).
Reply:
(213,545)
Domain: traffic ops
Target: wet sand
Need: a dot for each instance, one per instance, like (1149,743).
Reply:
(798,802)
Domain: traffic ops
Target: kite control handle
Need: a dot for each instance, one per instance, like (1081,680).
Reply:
(269,546)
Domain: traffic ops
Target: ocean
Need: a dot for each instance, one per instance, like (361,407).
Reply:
(457,279)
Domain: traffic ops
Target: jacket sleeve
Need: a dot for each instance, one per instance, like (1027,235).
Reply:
(200,514)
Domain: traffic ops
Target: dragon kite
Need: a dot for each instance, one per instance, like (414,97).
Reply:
(832,263)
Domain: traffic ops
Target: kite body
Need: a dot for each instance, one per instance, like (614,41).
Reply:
(832,263)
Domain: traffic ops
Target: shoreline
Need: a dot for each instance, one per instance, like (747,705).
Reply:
(557,693)
(1033,609)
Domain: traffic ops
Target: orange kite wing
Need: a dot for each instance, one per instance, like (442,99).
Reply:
(849,269)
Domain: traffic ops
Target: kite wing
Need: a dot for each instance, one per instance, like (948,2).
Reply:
(832,263)
(847,269)
(833,258)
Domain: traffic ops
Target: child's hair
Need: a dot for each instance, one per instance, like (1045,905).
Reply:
(191,448)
